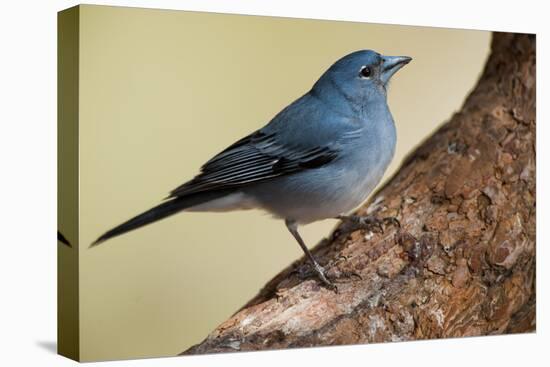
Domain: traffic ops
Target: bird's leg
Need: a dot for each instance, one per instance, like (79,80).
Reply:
(369,222)
(293,228)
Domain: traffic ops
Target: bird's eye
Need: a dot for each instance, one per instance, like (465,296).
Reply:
(365,72)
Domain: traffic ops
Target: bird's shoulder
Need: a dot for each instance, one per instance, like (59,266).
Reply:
(309,122)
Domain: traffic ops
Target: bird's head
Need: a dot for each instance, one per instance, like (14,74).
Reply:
(360,76)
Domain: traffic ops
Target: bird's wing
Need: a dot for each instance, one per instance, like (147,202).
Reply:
(258,156)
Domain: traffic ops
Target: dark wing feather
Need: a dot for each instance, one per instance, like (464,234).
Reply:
(254,158)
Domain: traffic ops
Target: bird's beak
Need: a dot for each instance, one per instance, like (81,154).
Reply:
(390,65)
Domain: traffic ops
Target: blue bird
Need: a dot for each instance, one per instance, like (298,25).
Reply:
(319,158)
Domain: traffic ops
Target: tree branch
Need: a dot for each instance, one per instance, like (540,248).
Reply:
(463,261)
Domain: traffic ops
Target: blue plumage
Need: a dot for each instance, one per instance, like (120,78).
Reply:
(318,158)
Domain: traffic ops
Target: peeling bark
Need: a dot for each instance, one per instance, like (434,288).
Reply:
(462,262)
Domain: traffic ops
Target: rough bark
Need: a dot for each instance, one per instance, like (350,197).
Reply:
(462,262)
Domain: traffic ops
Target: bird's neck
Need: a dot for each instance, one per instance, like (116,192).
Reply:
(359,105)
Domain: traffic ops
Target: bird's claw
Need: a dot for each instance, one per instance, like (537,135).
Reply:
(371,223)
(342,273)
(392,220)
(308,270)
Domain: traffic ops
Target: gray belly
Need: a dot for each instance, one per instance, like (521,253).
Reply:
(320,193)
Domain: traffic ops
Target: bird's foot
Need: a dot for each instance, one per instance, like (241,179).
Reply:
(371,223)
(327,277)
(321,274)
(308,270)
(337,273)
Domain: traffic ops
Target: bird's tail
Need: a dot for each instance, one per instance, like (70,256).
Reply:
(62,239)
(159,212)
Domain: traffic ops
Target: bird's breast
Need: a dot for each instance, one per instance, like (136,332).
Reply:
(370,158)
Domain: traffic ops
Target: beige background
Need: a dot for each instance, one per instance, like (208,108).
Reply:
(160,93)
